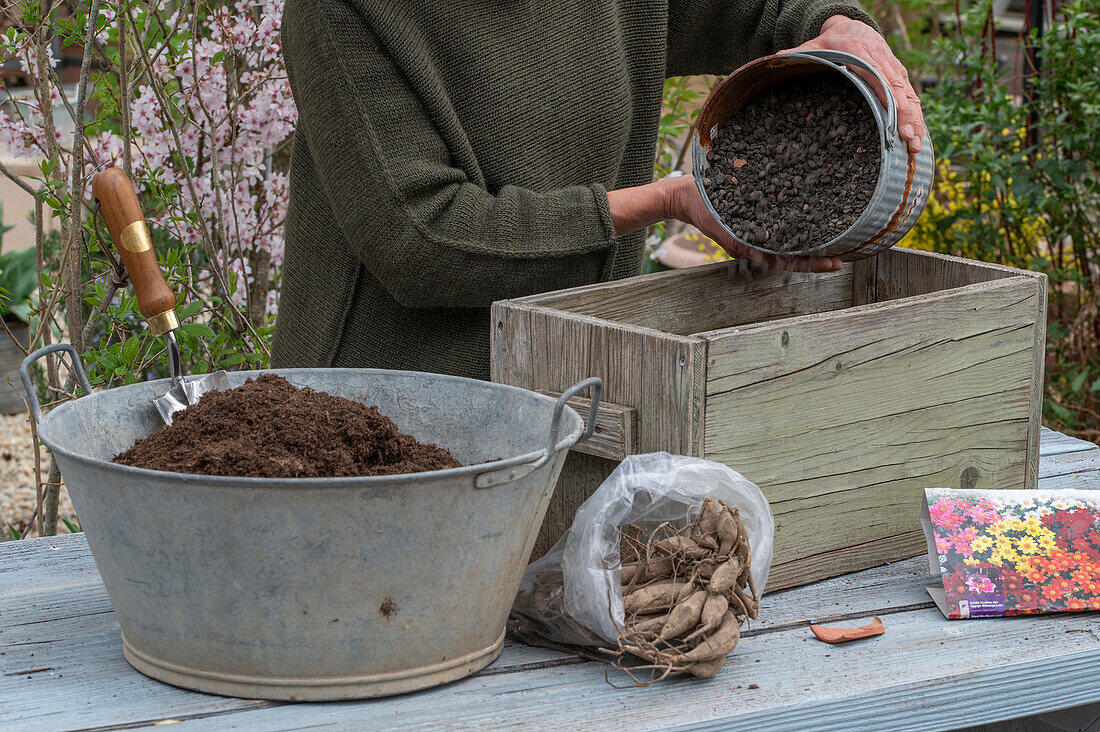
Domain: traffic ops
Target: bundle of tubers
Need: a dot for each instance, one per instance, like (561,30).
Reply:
(685,593)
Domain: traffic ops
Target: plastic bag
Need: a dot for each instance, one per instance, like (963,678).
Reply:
(584,565)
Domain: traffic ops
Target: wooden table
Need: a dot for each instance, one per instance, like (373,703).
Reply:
(62,668)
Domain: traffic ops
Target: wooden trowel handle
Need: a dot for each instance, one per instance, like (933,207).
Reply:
(121,211)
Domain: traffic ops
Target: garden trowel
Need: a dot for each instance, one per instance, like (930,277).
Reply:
(119,206)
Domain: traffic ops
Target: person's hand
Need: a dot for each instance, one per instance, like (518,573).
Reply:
(839,33)
(686,204)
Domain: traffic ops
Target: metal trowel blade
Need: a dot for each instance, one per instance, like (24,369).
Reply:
(194,387)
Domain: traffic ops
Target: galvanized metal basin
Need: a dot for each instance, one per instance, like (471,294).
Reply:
(904,178)
(310,589)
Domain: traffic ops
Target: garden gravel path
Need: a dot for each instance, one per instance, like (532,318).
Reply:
(17,476)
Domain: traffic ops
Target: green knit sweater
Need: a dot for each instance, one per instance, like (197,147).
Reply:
(450,153)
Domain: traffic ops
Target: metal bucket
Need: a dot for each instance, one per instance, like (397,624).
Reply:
(904,179)
(312,589)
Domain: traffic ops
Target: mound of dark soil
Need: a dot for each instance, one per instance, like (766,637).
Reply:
(270,428)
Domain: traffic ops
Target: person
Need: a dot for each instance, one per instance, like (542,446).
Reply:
(452,154)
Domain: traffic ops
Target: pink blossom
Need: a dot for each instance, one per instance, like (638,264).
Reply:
(962,540)
(943,513)
(980,584)
(943,544)
(983,513)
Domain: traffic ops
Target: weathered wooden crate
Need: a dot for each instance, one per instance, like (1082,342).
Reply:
(841,395)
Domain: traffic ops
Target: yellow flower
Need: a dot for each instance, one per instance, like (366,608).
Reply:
(971,561)
(1027,545)
(981,544)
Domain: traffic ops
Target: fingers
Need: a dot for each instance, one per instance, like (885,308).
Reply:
(807,264)
(779,262)
(861,40)
(877,53)
(910,118)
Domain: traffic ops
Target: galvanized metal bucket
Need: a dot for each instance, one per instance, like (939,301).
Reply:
(904,180)
(311,589)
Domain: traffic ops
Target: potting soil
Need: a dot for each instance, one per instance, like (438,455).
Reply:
(796,166)
(270,428)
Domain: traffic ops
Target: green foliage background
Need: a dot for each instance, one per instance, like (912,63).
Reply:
(1018,175)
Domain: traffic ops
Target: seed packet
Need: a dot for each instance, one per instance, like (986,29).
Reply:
(1013,552)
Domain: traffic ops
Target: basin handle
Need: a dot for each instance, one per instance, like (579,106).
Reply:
(28,383)
(506,471)
(559,407)
(841,58)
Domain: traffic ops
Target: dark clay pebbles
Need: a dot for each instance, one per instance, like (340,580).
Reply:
(796,166)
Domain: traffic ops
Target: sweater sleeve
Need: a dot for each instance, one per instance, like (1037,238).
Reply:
(717,36)
(430,235)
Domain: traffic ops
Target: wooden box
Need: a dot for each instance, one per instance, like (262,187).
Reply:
(842,395)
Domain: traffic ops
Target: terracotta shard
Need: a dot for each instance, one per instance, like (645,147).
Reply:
(843,635)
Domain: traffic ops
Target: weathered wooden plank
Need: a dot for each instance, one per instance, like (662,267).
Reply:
(898,512)
(616,428)
(942,403)
(752,353)
(510,344)
(924,673)
(1067,464)
(704,298)
(802,569)
(902,272)
(1038,367)
(864,272)
(1055,443)
(1083,473)
(27,565)
(580,475)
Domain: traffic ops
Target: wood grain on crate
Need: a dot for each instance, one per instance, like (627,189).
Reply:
(924,673)
(841,395)
(899,369)
(897,274)
(705,298)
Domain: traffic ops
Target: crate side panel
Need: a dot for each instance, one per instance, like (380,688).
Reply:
(839,561)
(1038,371)
(580,476)
(705,298)
(844,416)
(660,376)
(510,344)
(901,272)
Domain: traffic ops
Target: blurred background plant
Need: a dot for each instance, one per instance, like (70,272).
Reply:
(192,101)
(18,281)
(1014,121)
